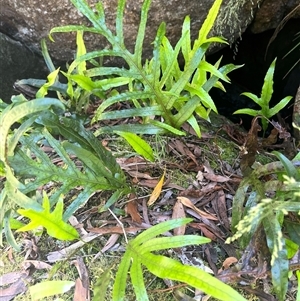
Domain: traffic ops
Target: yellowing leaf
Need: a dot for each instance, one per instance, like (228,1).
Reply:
(52,221)
(157,190)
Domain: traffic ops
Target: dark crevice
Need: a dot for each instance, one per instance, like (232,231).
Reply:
(250,50)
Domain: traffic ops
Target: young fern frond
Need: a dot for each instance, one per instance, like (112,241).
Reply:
(166,84)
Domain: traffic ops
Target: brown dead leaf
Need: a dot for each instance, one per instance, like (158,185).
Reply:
(183,149)
(215,178)
(157,190)
(148,183)
(271,139)
(65,252)
(18,286)
(235,133)
(250,147)
(38,265)
(80,291)
(111,242)
(114,230)
(283,133)
(178,212)
(219,205)
(210,226)
(82,284)
(228,262)
(186,202)
(132,210)
(205,230)
(10,278)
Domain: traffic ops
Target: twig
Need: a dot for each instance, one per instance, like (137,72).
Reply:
(120,223)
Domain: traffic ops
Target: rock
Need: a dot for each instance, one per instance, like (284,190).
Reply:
(271,13)
(17,62)
(31,20)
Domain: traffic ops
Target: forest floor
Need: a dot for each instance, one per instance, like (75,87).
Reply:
(200,178)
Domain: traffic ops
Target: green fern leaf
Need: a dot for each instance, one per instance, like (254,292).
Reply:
(138,253)
(52,221)
(165,267)
(99,172)
(141,34)
(208,24)
(138,144)
(279,260)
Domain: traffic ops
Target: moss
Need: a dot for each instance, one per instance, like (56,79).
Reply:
(231,18)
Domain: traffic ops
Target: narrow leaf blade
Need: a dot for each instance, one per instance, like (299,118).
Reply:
(138,144)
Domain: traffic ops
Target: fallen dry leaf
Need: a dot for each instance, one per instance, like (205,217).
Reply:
(82,284)
(114,230)
(205,230)
(17,287)
(80,291)
(186,202)
(215,178)
(65,252)
(219,205)
(38,265)
(228,262)
(132,209)
(157,190)
(110,243)
(178,212)
(250,148)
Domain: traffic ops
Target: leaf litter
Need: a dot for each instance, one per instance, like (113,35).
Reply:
(183,183)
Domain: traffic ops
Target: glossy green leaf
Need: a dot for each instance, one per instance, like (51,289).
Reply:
(167,127)
(81,50)
(186,43)
(279,106)
(279,260)
(46,56)
(136,275)
(138,144)
(118,98)
(19,111)
(52,78)
(49,288)
(289,167)
(141,33)
(163,243)
(52,221)
(291,248)
(142,129)
(159,229)
(208,23)
(186,111)
(250,112)
(186,75)
(267,89)
(165,267)
(7,227)
(119,23)
(142,112)
(120,283)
